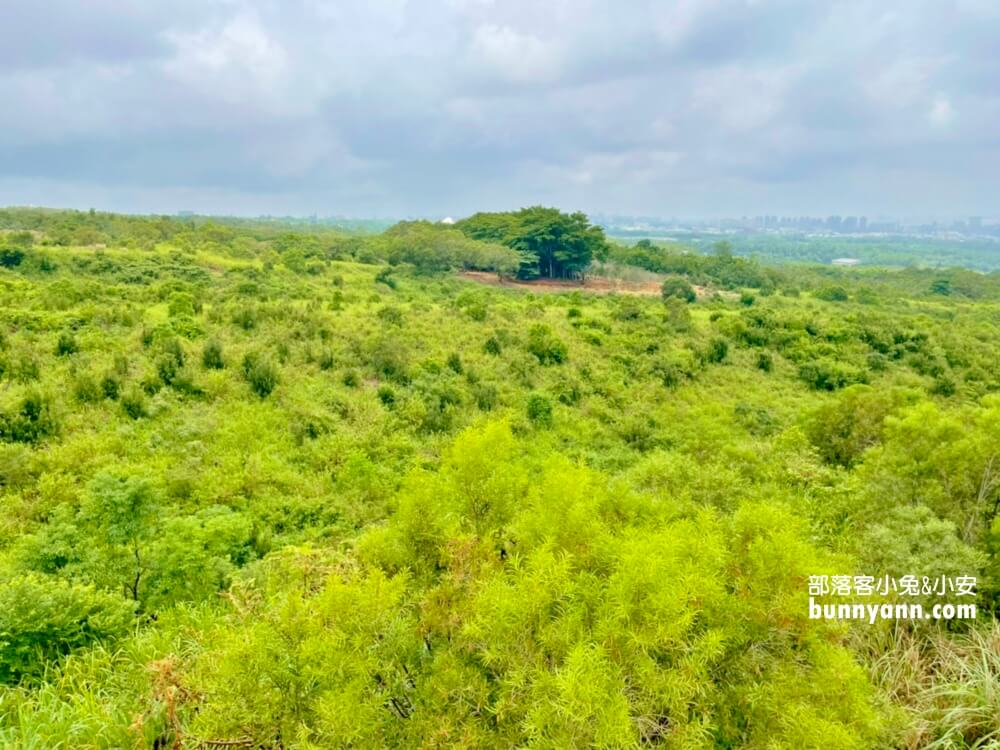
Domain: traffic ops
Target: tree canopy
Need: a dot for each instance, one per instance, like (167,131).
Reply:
(552,244)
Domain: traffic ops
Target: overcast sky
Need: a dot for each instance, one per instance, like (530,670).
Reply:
(413,107)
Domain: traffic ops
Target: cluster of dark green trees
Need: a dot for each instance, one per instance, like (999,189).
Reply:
(552,244)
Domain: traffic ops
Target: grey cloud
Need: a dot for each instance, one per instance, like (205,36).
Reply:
(412,106)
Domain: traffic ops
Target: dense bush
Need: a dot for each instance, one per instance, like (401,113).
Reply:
(828,375)
(539,410)
(547,348)
(42,619)
(211,356)
(260,373)
(11,257)
(723,269)
(133,403)
(676,287)
(31,421)
(844,428)
(717,351)
(832,293)
(66,345)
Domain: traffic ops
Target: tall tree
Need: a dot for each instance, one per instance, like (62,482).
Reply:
(553,244)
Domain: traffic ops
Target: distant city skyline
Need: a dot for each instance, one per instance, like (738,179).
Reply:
(833,222)
(972,226)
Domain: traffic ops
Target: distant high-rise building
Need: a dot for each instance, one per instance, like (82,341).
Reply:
(833,223)
(863,224)
(849,224)
(975,222)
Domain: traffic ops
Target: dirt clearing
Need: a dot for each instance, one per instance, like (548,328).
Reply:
(593,285)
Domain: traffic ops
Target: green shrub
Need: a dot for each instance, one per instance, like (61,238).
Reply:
(716,352)
(325,360)
(66,345)
(385,277)
(757,420)
(638,432)
(941,286)
(390,315)
(260,373)
(547,348)
(86,390)
(110,387)
(133,403)
(677,315)
(166,369)
(539,410)
(31,422)
(672,369)
(675,287)
(486,396)
(182,304)
(11,257)
(211,356)
(172,348)
(832,293)
(477,312)
(246,318)
(944,385)
(387,396)
(441,402)
(42,619)
(388,358)
(628,309)
(829,375)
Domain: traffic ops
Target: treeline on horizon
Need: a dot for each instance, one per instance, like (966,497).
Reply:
(272,487)
(530,243)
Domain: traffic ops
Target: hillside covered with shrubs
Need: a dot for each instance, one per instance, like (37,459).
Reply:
(280,487)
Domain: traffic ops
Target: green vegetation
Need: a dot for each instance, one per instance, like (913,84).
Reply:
(287,487)
(679,288)
(551,244)
(979,253)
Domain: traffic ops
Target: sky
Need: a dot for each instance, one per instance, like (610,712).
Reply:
(392,108)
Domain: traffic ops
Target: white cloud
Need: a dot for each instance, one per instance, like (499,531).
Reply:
(742,98)
(639,167)
(237,62)
(901,83)
(675,20)
(941,113)
(513,56)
